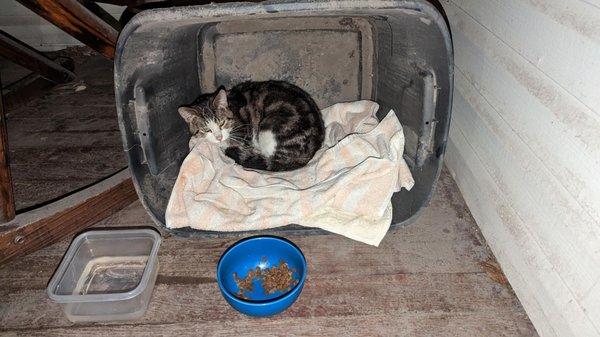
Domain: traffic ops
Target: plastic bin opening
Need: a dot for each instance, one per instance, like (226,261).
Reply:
(397,53)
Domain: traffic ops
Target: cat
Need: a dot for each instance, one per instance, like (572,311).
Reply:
(271,125)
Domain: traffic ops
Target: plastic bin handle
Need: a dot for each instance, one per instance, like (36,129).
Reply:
(428,122)
(143,127)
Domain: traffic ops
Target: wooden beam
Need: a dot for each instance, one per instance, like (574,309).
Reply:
(43,226)
(7,201)
(24,90)
(29,87)
(128,3)
(164,3)
(102,14)
(29,58)
(78,21)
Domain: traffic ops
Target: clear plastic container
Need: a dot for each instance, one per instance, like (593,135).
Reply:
(107,275)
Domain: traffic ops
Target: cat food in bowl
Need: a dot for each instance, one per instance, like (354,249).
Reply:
(107,275)
(262,275)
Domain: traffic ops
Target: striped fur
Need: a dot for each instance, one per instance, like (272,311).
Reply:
(270,125)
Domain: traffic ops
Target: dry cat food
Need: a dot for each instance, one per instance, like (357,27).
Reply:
(277,278)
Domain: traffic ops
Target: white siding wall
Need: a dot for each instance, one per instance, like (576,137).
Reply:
(525,148)
(23,24)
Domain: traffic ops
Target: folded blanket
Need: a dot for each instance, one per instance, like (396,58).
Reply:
(345,189)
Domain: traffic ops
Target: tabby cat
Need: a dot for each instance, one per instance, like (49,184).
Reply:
(272,125)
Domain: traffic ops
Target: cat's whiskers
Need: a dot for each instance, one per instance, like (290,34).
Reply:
(239,127)
(238,139)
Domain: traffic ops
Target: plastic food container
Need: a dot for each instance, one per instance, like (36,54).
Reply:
(107,275)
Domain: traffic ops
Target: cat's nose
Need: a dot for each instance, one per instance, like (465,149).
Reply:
(219,137)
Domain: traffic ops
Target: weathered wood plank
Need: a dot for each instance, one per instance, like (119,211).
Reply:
(37,32)
(24,90)
(128,3)
(71,138)
(80,155)
(408,325)
(430,270)
(76,20)
(7,201)
(61,100)
(22,54)
(46,193)
(102,14)
(440,257)
(176,299)
(399,253)
(100,138)
(449,227)
(36,229)
(85,122)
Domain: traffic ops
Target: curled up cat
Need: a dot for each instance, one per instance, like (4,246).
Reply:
(272,125)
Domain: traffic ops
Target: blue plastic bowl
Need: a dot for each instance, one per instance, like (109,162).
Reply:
(263,252)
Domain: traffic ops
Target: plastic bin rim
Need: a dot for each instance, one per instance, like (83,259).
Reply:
(111,297)
(241,9)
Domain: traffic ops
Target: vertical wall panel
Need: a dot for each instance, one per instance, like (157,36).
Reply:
(525,149)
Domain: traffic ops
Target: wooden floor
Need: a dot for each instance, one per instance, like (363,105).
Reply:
(65,139)
(435,277)
(432,278)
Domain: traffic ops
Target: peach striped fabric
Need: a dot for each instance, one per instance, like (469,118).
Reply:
(345,189)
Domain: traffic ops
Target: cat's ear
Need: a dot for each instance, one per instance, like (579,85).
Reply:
(188,114)
(220,99)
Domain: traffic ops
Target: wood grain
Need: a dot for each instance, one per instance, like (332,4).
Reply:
(43,226)
(77,21)
(7,201)
(71,137)
(423,280)
(22,54)
(408,325)
(101,13)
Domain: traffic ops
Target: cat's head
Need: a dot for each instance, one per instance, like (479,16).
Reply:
(210,117)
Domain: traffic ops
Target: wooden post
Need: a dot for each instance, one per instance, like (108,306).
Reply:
(79,22)
(7,201)
(29,58)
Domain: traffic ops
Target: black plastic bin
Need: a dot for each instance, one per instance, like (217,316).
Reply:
(398,53)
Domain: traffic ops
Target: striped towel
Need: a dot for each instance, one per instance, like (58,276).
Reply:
(345,189)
